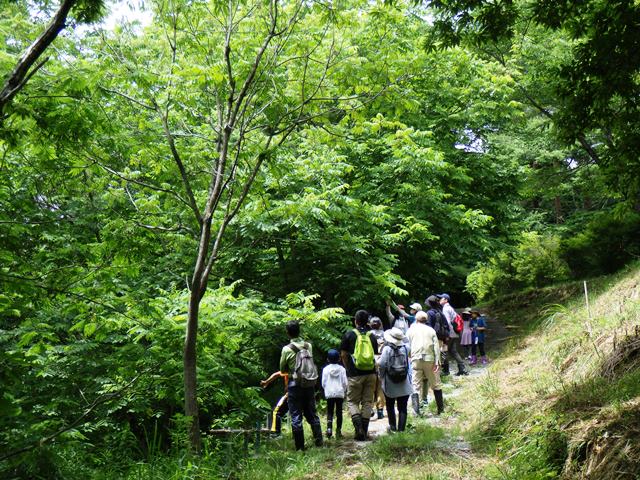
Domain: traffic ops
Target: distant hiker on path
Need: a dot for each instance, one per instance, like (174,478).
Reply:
(425,362)
(479,327)
(377,331)
(282,407)
(466,339)
(394,372)
(335,384)
(452,351)
(357,350)
(297,360)
(438,322)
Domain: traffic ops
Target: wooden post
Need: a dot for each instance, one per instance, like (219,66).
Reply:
(586,297)
(257,443)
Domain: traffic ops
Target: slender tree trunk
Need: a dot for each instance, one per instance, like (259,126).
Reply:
(557,204)
(190,371)
(198,287)
(283,266)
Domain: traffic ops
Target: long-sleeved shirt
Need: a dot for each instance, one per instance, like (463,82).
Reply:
(450,314)
(334,381)
(424,343)
(288,356)
(397,322)
(391,389)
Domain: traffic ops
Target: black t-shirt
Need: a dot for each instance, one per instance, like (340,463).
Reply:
(348,344)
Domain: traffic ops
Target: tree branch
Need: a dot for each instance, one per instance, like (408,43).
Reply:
(131,99)
(183,172)
(20,74)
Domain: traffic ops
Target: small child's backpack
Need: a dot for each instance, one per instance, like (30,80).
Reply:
(398,364)
(305,373)
(363,352)
(458,325)
(441,326)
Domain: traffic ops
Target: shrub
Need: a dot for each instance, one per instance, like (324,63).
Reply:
(537,260)
(606,244)
(534,262)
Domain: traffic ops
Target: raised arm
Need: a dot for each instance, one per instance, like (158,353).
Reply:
(390,316)
(271,379)
(400,311)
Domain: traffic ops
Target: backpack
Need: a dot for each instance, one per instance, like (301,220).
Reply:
(305,373)
(398,365)
(457,324)
(441,326)
(363,352)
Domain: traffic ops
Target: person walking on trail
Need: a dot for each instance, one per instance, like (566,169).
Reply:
(452,342)
(438,322)
(425,362)
(297,360)
(375,323)
(334,383)
(397,321)
(466,338)
(282,407)
(396,383)
(410,317)
(478,327)
(357,350)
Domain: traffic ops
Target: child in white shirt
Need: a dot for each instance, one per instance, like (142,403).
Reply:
(334,382)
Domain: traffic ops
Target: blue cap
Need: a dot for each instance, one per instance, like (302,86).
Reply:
(333,356)
(445,295)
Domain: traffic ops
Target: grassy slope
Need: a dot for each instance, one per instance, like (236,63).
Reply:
(555,402)
(564,397)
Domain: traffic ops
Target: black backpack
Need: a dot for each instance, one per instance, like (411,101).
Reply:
(398,364)
(441,326)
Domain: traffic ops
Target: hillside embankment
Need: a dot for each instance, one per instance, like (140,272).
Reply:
(563,398)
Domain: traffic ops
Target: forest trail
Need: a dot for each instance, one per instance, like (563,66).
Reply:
(432,446)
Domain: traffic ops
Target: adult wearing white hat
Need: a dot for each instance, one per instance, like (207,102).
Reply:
(396,382)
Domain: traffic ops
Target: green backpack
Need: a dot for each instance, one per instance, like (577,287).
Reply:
(363,352)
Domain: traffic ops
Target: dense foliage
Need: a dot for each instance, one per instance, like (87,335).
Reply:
(363,166)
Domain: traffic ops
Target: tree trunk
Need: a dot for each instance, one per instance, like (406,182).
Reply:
(557,204)
(190,371)
(198,287)
(282,263)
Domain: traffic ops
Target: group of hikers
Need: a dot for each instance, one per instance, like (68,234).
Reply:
(374,365)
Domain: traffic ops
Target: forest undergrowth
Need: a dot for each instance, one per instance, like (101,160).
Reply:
(559,399)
